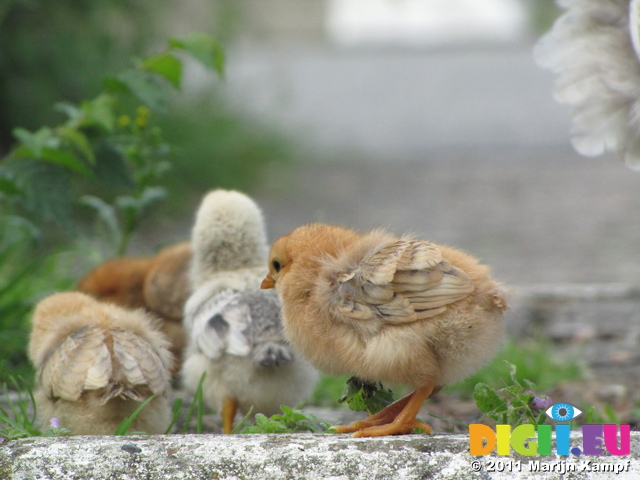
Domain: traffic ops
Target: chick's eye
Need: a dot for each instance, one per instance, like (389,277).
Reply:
(276,265)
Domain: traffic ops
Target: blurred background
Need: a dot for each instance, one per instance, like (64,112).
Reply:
(426,116)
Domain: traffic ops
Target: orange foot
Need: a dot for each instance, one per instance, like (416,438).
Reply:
(397,419)
(229,409)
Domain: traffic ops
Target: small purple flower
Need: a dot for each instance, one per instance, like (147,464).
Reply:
(539,402)
(1,439)
(54,422)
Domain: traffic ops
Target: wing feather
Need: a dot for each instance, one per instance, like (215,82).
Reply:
(400,282)
(141,365)
(222,325)
(80,362)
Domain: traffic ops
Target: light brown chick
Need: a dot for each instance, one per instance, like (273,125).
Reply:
(119,280)
(96,362)
(158,284)
(386,308)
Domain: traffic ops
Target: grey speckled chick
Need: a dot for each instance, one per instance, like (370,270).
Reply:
(237,339)
(234,330)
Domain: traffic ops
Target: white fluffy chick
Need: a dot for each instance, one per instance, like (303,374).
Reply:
(96,362)
(229,336)
(594,50)
(237,339)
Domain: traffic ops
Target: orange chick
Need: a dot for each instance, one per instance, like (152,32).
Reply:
(158,284)
(386,308)
(96,362)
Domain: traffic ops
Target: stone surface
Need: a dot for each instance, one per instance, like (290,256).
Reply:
(599,323)
(274,457)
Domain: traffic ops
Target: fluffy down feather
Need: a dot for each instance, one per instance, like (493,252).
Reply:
(95,363)
(158,284)
(237,340)
(235,333)
(593,50)
(386,308)
(229,234)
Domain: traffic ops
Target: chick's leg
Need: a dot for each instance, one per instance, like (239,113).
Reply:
(229,409)
(405,421)
(384,416)
(388,414)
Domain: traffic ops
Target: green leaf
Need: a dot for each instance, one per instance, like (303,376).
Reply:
(487,400)
(96,113)
(111,168)
(69,109)
(291,420)
(361,395)
(176,410)
(79,141)
(48,190)
(512,373)
(203,48)
(56,432)
(15,227)
(99,112)
(151,195)
(36,141)
(106,213)
(123,428)
(65,159)
(611,414)
(147,87)
(8,186)
(166,65)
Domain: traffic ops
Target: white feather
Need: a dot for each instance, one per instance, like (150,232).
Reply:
(593,49)
(100,372)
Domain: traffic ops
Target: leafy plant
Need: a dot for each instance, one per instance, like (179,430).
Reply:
(534,360)
(290,421)
(513,404)
(361,395)
(103,142)
(107,156)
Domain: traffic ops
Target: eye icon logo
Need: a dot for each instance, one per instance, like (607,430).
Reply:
(563,412)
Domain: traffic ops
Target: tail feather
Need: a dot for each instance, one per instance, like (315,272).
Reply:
(272,354)
(124,392)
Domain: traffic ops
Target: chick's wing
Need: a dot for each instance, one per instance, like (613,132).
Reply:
(401,282)
(140,363)
(80,362)
(222,325)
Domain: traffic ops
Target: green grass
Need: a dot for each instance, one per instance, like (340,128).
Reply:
(23,282)
(534,361)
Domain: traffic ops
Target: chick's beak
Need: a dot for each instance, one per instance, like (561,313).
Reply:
(267,283)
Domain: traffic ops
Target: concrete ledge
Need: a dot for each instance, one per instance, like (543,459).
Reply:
(275,457)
